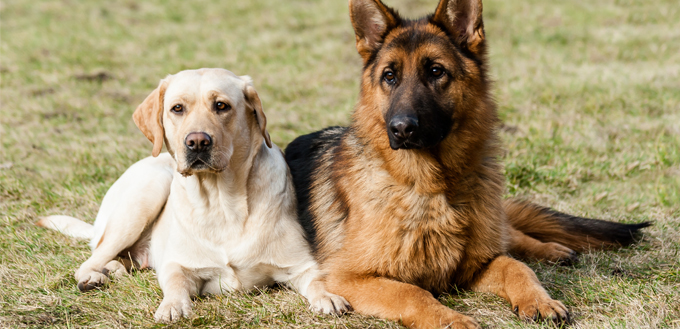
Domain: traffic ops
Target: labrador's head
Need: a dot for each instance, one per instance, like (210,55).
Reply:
(208,118)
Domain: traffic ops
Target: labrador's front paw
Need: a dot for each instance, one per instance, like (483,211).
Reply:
(172,310)
(328,303)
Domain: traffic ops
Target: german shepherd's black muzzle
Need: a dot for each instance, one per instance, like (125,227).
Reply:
(402,131)
(417,117)
(418,129)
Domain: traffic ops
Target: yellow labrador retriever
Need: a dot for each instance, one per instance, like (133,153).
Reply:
(216,213)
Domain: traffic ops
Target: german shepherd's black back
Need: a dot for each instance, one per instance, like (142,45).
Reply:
(304,155)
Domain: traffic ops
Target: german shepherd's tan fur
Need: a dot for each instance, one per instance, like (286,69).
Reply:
(407,201)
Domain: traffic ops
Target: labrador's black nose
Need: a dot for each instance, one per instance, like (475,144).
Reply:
(198,141)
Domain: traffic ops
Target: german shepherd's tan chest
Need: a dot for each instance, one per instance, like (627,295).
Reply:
(393,230)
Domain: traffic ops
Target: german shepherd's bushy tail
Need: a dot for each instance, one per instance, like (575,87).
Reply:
(577,233)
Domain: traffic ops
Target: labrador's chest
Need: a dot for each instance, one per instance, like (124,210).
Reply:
(211,232)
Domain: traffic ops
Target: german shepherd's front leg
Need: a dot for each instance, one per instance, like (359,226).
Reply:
(517,283)
(398,301)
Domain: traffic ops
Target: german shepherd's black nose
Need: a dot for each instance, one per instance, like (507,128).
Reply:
(402,128)
(198,141)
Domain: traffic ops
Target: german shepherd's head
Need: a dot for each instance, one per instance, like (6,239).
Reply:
(423,80)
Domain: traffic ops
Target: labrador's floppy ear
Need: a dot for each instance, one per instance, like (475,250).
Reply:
(254,101)
(147,117)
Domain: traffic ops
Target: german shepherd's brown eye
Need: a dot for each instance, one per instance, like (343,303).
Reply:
(436,71)
(390,77)
(221,106)
(177,108)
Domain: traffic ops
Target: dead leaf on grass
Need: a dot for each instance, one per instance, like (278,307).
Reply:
(632,166)
(510,129)
(98,76)
(632,207)
(42,92)
(601,196)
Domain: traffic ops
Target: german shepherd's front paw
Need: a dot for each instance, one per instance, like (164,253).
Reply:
(465,322)
(458,321)
(172,310)
(542,309)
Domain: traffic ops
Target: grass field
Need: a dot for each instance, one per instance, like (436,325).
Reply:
(589,92)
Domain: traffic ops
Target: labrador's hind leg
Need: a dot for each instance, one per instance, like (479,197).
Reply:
(136,203)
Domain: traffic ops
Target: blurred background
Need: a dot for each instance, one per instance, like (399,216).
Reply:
(589,92)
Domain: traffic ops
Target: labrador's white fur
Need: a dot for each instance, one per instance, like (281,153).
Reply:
(222,223)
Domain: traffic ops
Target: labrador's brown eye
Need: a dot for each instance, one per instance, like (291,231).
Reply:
(221,106)
(177,108)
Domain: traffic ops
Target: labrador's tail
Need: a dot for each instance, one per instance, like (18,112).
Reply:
(70,226)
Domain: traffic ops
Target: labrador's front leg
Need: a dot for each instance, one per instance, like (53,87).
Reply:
(179,285)
(310,285)
(322,301)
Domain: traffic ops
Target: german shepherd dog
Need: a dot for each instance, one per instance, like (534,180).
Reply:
(406,202)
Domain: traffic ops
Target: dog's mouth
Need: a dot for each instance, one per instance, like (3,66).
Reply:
(415,142)
(199,164)
(405,145)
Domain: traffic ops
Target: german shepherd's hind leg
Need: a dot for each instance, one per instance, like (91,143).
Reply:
(385,298)
(517,283)
(526,247)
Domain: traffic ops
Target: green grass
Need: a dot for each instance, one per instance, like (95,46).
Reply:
(589,92)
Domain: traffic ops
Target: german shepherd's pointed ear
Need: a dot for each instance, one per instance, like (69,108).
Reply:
(371,20)
(148,117)
(463,20)
(254,101)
